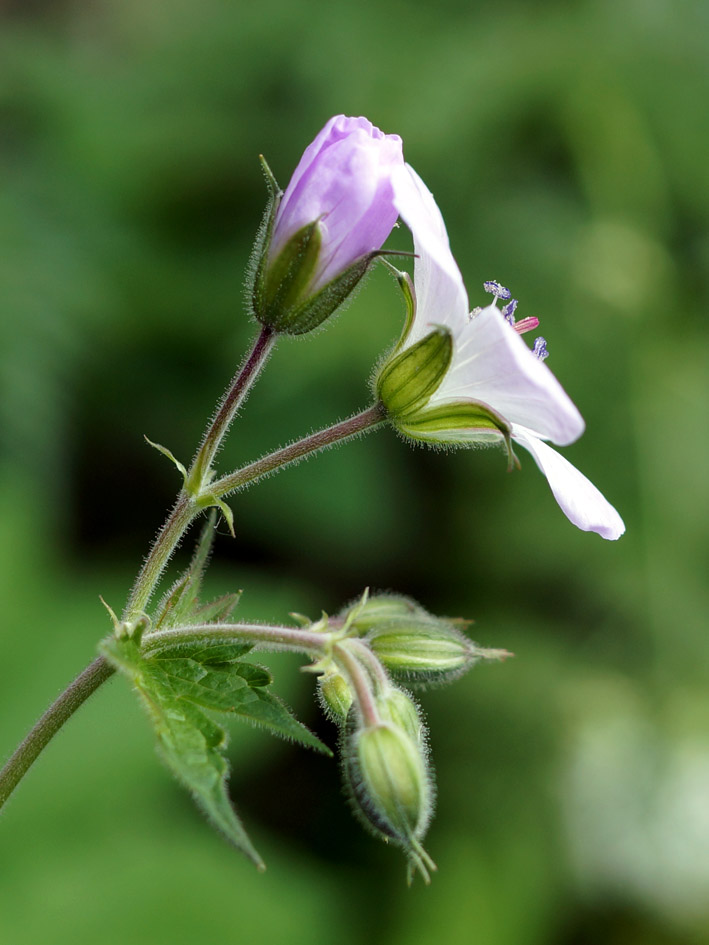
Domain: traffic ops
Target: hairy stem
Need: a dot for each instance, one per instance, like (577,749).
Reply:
(230,403)
(169,537)
(56,715)
(344,430)
(186,508)
(265,636)
(360,684)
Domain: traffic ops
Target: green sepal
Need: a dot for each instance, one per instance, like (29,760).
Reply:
(166,452)
(408,380)
(458,423)
(288,276)
(407,290)
(255,282)
(189,741)
(306,311)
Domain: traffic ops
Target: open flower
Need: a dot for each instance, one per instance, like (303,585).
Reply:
(328,225)
(465,378)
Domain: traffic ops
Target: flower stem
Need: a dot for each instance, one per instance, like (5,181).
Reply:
(56,715)
(178,521)
(359,683)
(265,636)
(344,430)
(230,403)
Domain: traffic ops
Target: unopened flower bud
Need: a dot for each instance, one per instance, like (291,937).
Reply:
(390,784)
(374,610)
(336,696)
(322,234)
(408,380)
(397,707)
(422,649)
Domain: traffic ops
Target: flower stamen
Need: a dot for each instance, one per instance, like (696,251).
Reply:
(499,291)
(540,348)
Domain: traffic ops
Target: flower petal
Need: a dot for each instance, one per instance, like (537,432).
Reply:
(342,180)
(441,298)
(493,365)
(578,498)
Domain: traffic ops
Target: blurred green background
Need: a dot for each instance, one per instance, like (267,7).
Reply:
(567,144)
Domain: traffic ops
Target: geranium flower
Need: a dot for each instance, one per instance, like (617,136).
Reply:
(492,387)
(323,232)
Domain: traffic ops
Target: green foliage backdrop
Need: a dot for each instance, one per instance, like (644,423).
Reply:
(566,144)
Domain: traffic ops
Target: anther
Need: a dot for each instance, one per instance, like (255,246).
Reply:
(494,288)
(540,348)
(508,312)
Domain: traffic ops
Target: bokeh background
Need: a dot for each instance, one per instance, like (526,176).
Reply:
(568,146)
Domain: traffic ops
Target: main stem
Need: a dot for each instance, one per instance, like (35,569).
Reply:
(46,728)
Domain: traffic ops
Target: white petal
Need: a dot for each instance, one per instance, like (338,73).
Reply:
(579,499)
(492,364)
(441,298)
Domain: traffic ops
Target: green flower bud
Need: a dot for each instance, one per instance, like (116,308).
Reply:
(422,649)
(391,788)
(379,608)
(408,380)
(397,707)
(335,696)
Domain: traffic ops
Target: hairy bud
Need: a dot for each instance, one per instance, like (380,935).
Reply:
(335,696)
(422,649)
(321,235)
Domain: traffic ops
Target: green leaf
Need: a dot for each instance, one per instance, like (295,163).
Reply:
(166,452)
(223,687)
(236,688)
(201,647)
(189,741)
(268,710)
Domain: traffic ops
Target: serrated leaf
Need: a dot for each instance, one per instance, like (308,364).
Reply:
(268,710)
(189,741)
(201,648)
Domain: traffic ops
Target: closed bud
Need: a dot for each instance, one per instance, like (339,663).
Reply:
(322,234)
(336,696)
(390,784)
(422,649)
(397,707)
(407,381)
(372,611)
